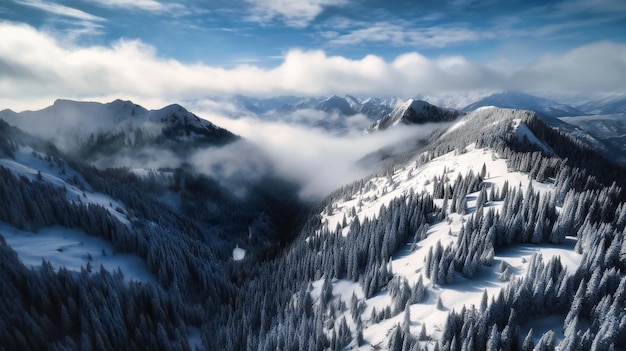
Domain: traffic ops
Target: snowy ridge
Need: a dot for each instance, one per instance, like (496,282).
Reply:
(602,105)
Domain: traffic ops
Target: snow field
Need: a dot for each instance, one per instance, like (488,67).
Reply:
(74,250)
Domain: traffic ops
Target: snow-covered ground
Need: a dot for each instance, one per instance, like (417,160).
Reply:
(73,249)
(239,253)
(379,191)
(418,178)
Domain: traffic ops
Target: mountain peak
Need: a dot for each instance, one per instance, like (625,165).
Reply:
(118,127)
(336,103)
(415,112)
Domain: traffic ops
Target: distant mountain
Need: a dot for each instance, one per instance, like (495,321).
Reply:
(259,105)
(91,130)
(334,114)
(336,103)
(415,112)
(609,129)
(605,106)
(456,100)
(523,101)
(373,108)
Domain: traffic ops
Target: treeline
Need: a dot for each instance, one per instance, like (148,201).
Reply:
(61,310)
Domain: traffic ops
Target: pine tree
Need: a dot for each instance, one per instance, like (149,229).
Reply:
(529,342)
(547,342)
(423,336)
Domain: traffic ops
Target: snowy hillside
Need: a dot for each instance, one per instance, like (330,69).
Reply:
(408,262)
(62,246)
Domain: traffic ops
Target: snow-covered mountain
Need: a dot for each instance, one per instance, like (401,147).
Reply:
(415,112)
(92,130)
(609,129)
(434,285)
(373,108)
(523,101)
(504,229)
(606,105)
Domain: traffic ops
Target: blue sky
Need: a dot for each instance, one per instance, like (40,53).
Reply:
(155,49)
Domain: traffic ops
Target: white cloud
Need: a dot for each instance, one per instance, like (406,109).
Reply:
(146,5)
(58,9)
(294,13)
(595,67)
(318,161)
(34,66)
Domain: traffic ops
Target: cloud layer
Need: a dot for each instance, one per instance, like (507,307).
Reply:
(35,67)
(318,161)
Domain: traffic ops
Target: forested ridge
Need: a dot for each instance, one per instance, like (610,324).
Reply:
(267,303)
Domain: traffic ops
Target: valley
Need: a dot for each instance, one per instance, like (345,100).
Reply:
(482,228)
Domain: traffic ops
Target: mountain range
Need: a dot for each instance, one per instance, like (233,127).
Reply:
(329,113)
(484,228)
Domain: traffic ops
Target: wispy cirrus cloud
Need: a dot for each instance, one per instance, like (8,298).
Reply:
(422,33)
(402,33)
(293,13)
(59,9)
(144,5)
